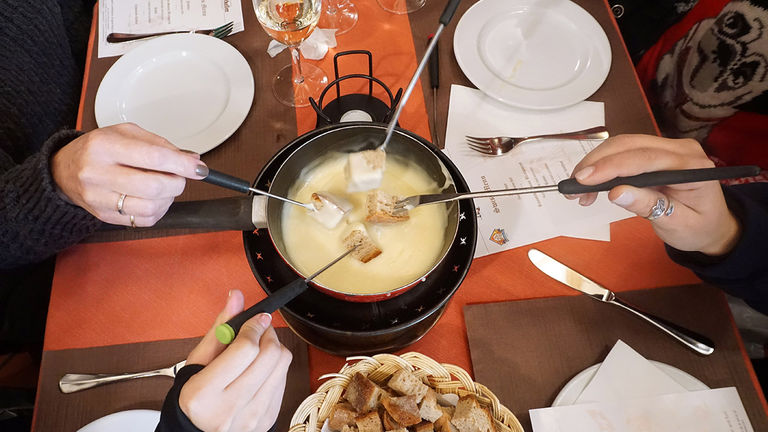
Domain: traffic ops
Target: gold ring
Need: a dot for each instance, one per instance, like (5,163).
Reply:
(133,221)
(120,203)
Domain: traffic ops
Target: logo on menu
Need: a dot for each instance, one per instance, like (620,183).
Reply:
(227,4)
(499,236)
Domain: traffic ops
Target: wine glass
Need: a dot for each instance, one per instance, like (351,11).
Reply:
(290,22)
(340,15)
(401,6)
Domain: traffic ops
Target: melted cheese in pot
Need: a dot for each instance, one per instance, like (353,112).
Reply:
(409,249)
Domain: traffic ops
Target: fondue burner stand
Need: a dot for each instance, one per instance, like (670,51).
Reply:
(355,106)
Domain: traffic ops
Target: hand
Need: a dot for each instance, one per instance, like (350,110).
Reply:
(701,220)
(95,169)
(241,387)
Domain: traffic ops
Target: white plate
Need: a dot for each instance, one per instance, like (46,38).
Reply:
(577,384)
(125,421)
(539,54)
(192,89)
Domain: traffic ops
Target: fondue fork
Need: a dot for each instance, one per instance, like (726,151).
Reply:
(239,185)
(226,332)
(572,187)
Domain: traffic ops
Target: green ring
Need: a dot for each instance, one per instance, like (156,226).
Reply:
(225,333)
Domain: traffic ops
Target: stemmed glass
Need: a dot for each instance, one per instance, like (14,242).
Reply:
(340,15)
(290,22)
(401,6)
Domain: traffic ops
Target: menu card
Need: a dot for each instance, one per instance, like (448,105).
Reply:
(513,221)
(152,16)
(628,394)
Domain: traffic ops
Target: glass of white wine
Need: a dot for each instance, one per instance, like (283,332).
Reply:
(401,6)
(290,22)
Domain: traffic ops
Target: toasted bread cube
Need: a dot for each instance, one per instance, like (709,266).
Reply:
(342,414)
(406,383)
(348,428)
(398,430)
(381,208)
(424,426)
(369,422)
(365,170)
(403,409)
(443,424)
(363,394)
(429,409)
(366,248)
(388,422)
(329,209)
(447,399)
(470,416)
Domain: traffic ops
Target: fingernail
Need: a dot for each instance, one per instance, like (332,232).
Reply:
(229,294)
(583,173)
(201,170)
(583,201)
(264,319)
(624,199)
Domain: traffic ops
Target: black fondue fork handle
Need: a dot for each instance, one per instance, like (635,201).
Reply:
(227,181)
(661,178)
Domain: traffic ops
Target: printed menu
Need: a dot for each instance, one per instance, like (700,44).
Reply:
(508,222)
(151,16)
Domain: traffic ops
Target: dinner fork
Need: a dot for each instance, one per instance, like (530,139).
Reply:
(571,186)
(497,146)
(218,32)
(71,383)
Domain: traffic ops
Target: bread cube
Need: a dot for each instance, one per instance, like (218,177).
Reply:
(381,208)
(342,414)
(403,409)
(429,409)
(365,170)
(363,394)
(406,383)
(369,423)
(366,248)
(470,416)
(329,209)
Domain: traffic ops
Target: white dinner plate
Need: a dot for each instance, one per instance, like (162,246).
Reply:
(125,421)
(578,383)
(192,89)
(539,54)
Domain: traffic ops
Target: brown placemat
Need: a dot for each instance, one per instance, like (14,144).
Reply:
(525,351)
(59,412)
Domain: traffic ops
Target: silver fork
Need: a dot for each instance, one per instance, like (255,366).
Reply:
(218,32)
(497,146)
(71,383)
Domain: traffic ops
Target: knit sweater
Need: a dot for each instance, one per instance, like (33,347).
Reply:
(42,56)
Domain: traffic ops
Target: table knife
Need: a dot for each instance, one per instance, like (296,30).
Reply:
(560,272)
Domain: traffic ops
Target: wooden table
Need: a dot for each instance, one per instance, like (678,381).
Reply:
(171,287)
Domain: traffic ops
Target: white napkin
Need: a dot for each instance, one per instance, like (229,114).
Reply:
(628,394)
(509,222)
(154,16)
(625,374)
(313,48)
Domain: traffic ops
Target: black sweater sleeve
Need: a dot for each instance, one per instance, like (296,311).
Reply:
(172,418)
(744,271)
(35,221)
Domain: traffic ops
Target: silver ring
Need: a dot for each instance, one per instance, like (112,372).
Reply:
(133,221)
(663,207)
(120,202)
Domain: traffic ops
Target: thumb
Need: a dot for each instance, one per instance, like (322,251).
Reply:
(639,201)
(210,347)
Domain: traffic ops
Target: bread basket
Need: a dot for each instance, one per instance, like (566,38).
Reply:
(443,378)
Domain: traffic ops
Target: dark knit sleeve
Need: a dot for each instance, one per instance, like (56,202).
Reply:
(172,418)
(35,221)
(743,272)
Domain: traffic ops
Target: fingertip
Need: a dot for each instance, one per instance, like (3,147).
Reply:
(235,303)
(584,173)
(264,319)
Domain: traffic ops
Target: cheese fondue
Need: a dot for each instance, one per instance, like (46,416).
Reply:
(409,249)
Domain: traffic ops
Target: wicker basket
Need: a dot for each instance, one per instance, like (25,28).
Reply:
(443,378)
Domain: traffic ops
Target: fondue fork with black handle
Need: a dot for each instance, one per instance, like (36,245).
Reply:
(572,187)
(226,332)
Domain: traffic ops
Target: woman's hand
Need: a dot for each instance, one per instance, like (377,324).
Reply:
(700,221)
(97,168)
(241,387)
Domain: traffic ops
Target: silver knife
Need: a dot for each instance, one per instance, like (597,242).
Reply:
(560,272)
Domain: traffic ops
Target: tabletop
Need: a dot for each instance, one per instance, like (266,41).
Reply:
(117,290)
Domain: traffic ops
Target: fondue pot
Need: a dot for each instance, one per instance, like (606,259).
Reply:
(387,323)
